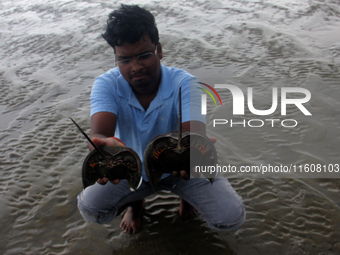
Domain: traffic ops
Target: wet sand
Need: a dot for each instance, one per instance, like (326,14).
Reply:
(51,51)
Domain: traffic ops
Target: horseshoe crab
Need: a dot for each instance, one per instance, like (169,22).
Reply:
(120,163)
(177,151)
(113,162)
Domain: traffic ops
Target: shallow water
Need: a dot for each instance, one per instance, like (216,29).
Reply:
(51,51)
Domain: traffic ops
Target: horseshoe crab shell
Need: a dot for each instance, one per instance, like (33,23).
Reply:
(119,163)
(173,152)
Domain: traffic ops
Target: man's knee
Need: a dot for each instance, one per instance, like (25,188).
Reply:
(92,212)
(97,216)
(230,222)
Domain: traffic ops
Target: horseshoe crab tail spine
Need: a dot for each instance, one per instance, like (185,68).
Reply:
(89,139)
(180,119)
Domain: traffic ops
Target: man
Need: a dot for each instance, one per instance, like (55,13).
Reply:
(137,101)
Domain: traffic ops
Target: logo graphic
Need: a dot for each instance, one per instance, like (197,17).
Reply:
(204,97)
(289,96)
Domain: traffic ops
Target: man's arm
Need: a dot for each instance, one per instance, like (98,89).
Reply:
(194,126)
(103,126)
(197,127)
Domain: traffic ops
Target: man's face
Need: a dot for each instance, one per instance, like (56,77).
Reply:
(133,71)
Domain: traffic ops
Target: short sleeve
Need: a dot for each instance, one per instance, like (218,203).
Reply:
(191,101)
(103,98)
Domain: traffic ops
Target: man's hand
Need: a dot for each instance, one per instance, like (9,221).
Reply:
(103,181)
(100,142)
(183,173)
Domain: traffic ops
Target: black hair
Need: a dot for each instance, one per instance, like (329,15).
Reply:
(129,24)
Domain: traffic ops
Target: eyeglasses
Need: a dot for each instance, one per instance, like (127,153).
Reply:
(145,59)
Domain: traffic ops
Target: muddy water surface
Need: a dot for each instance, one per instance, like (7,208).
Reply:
(51,51)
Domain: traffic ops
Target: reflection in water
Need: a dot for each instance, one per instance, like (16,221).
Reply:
(51,53)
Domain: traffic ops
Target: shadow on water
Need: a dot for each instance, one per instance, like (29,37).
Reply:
(163,232)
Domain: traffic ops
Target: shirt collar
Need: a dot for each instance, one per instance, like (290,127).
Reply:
(165,89)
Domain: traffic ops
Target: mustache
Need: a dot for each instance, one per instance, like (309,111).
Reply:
(138,74)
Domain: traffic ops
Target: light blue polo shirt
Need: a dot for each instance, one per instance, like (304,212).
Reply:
(137,127)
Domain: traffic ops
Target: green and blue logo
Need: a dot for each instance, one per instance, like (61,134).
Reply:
(204,97)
